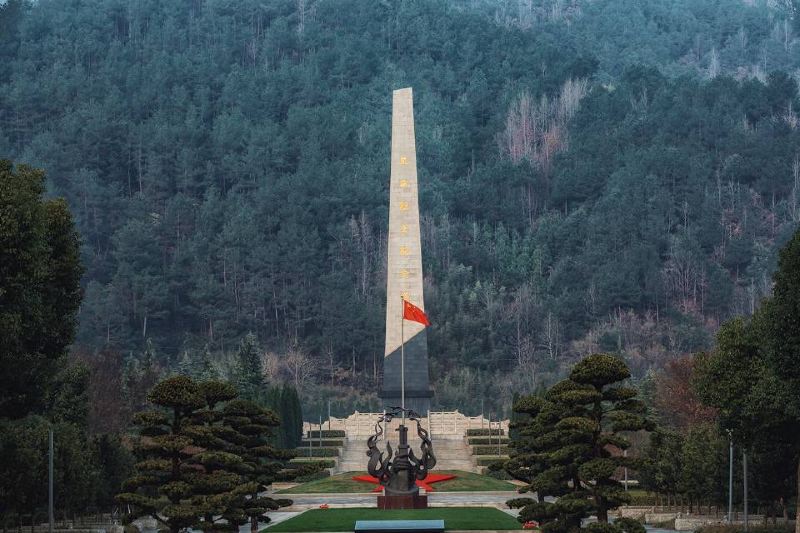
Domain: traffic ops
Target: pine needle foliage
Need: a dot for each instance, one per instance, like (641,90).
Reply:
(203,458)
(569,446)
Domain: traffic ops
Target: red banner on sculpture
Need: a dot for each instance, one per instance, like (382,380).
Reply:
(414,313)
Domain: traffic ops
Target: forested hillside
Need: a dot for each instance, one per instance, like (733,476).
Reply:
(611,175)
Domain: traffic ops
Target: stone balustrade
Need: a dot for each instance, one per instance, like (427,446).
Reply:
(438,423)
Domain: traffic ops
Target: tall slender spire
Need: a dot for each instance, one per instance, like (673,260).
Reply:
(404,266)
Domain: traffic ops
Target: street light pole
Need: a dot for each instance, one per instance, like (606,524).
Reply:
(744,473)
(730,476)
(50,480)
(498,435)
(625,454)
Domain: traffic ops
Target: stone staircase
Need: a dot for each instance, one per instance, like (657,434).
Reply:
(448,430)
(452,453)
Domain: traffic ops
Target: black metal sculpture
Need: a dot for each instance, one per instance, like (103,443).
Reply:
(398,476)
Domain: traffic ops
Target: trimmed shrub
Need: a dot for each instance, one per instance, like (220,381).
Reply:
(629,525)
(321,463)
(484,432)
(601,527)
(317,452)
(488,460)
(477,441)
(497,474)
(328,434)
(489,450)
(324,444)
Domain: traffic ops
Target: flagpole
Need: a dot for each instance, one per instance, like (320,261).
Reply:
(402,361)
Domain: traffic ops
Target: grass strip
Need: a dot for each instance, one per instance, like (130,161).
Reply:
(455,518)
(343,483)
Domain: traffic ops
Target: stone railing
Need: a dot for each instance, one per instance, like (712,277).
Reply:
(440,423)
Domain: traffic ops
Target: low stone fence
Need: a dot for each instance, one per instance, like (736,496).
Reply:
(438,423)
(693,523)
(683,521)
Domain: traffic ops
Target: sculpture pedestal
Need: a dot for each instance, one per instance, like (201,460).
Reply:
(405,501)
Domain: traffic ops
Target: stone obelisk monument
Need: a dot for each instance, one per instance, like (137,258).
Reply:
(404,267)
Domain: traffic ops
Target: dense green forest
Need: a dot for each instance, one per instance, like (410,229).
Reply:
(612,175)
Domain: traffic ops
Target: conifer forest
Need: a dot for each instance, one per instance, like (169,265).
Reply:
(594,176)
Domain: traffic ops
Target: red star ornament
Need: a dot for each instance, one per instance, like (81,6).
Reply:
(424,484)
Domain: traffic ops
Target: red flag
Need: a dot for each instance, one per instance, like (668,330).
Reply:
(414,313)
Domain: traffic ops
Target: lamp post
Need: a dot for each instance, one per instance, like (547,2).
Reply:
(498,435)
(730,475)
(50,481)
(744,474)
(625,454)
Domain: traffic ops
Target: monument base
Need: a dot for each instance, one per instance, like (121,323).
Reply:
(405,501)
(417,401)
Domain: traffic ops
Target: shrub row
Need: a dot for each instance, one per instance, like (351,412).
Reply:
(315,443)
(489,459)
(302,471)
(313,476)
(489,450)
(327,434)
(317,452)
(475,441)
(484,432)
(321,463)
(497,474)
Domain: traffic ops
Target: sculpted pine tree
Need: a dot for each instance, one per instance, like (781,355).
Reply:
(165,480)
(204,457)
(571,445)
(220,480)
(252,425)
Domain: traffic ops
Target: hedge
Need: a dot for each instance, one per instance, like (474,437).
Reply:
(486,460)
(321,463)
(497,474)
(476,441)
(315,443)
(327,433)
(489,450)
(484,432)
(317,452)
(304,471)
(313,476)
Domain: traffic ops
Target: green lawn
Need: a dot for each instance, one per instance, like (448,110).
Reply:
(345,519)
(342,483)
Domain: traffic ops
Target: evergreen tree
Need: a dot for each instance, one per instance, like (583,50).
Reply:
(206,369)
(565,449)
(752,378)
(166,453)
(291,416)
(249,372)
(261,460)
(208,453)
(661,464)
(39,288)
